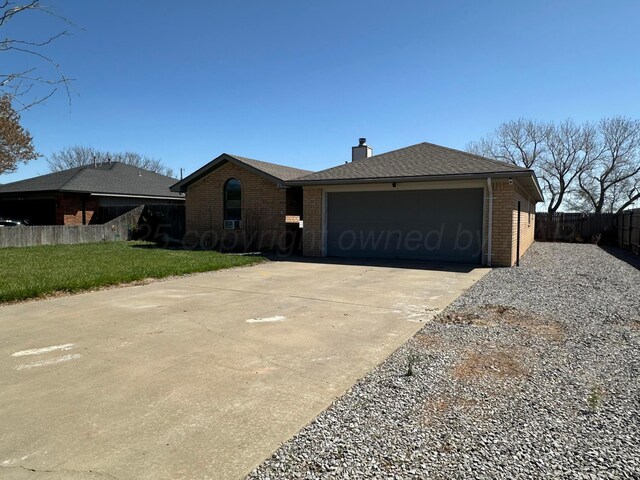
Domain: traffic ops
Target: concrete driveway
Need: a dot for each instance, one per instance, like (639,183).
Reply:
(202,376)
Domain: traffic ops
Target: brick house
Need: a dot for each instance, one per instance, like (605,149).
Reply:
(76,196)
(422,202)
(236,203)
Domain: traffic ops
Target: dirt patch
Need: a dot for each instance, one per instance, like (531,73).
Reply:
(435,408)
(465,317)
(634,325)
(549,330)
(495,364)
(430,341)
(493,315)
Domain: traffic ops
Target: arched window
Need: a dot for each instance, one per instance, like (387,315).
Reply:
(232,199)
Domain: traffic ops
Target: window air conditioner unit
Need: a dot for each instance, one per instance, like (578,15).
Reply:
(231,224)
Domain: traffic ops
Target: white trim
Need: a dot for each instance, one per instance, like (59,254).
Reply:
(377,187)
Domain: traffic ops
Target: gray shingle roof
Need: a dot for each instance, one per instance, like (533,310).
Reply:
(424,161)
(107,178)
(421,160)
(275,172)
(279,171)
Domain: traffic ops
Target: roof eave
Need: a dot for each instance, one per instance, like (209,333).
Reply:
(135,195)
(90,193)
(536,184)
(418,178)
(26,192)
(535,190)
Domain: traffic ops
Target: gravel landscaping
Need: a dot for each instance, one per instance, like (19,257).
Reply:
(532,373)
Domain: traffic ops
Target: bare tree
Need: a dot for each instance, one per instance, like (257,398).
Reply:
(16,144)
(557,153)
(40,76)
(612,180)
(570,149)
(520,142)
(78,156)
(623,195)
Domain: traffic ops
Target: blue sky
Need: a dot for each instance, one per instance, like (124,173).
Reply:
(297,82)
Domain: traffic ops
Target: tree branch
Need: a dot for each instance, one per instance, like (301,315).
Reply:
(18,84)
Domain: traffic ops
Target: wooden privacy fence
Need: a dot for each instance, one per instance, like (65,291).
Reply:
(573,227)
(628,230)
(119,228)
(621,229)
(162,223)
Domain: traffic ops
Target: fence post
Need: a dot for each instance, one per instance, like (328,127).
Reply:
(630,230)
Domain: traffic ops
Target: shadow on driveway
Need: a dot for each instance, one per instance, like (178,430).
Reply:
(365,262)
(375,262)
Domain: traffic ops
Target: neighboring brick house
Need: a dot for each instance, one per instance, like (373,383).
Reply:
(75,196)
(423,202)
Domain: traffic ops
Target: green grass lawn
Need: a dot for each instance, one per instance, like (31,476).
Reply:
(37,271)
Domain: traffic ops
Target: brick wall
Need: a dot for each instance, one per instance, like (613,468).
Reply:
(69,209)
(527,223)
(502,223)
(263,212)
(505,223)
(485,228)
(312,217)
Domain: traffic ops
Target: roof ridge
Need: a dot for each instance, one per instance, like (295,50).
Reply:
(416,160)
(456,150)
(328,169)
(80,169)
(114,178)
(44,175)
(396,150)
(482,157)
(241,158)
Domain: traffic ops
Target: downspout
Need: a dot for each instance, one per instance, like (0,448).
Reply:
(490,220)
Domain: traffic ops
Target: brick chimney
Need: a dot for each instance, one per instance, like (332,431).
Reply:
(361,151)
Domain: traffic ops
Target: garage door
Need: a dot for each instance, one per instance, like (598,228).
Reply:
(432,225)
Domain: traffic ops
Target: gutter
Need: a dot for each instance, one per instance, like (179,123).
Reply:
(528,174)
(455,176)
(124,195)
